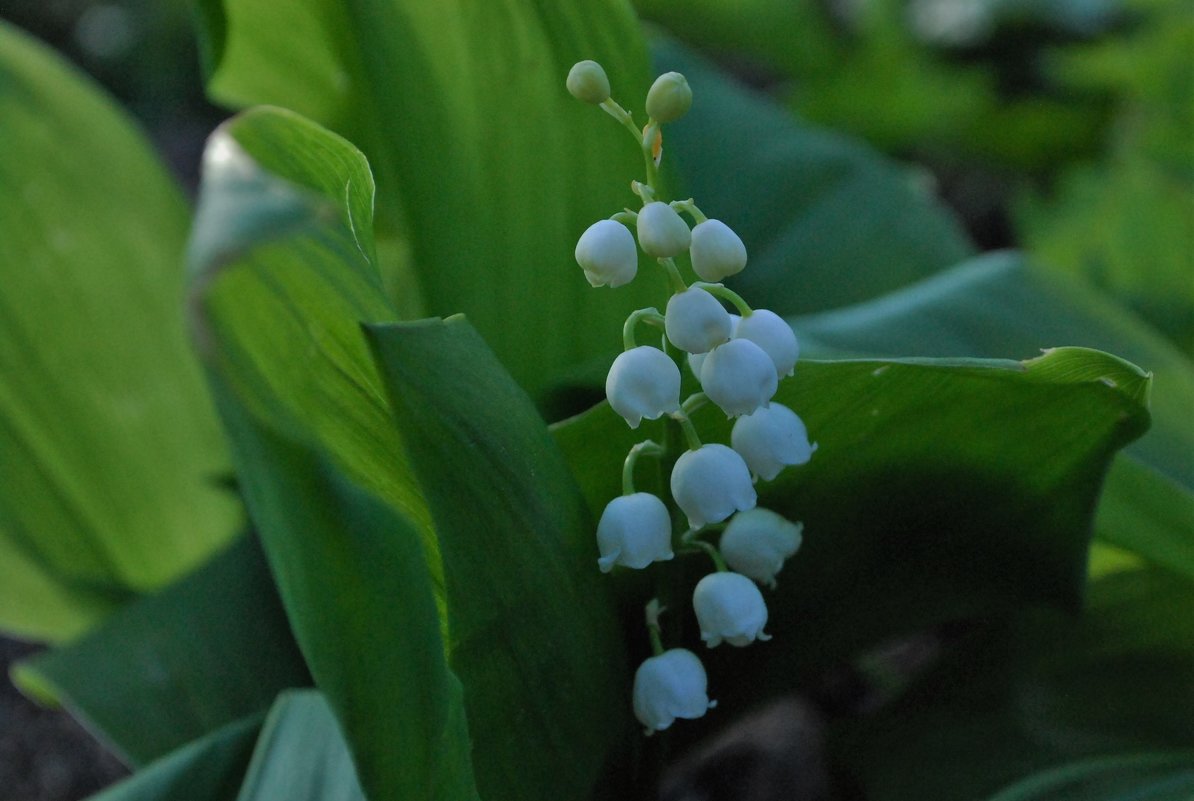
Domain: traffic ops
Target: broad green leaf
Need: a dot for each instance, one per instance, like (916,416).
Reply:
(825,220)
(940,489)
(301,754)
(533,635)
(1039,691)
(487,169)
(281,283)
(109,452)
(1146,777)
(207,769)
(212,648)
(1000,305)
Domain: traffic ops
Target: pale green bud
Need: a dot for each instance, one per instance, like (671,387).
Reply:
(669,97)
(588,82)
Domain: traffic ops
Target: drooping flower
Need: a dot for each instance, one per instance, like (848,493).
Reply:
(696,322)
(643,382)
(739,376)
(777,339)
(771,438)
(635,530)
(729,607)
(662,233)
(606,252)
(711,483)
(717,252)
(757,541)
(669,686)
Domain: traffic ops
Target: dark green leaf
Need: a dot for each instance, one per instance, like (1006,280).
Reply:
(207,769)
(825,220)
(210,649)
(301,754)
(486,167)
(533,636)
(109,451)
(1147,777)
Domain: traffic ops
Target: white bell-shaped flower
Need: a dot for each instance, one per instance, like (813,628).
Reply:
(643,382)
(696,321)
(769,331)
(717,252)
(757,541)
(662,233)
(669,686)
(729,607)
(697,360)
(711,483)
(634,531)
(739,376)
(770,439)
(606,252)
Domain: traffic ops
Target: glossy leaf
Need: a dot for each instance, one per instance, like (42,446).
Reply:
(212,648)
(487,169)
(825,220)
(109,452)
(533,636)
(1037,692)
(207,769)
(1148,777)
(1000,305)
(940,489)
(281,282)
(301,754)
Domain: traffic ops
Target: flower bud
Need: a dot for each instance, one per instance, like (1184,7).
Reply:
(696,322)
(643,382)
(771,438)
(661,231)
(669,686)
(669,98)
(716,251)
(769,331)
(757,541)
(739,376)
(606,252)
(711,483)
(697,360)
(588,82)
(635,530)
(729,607)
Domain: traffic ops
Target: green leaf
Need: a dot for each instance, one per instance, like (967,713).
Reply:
(488,171)
(281,282)
(109,451)
(1147,777)
(826,221)
(1000,305)
(301,754)
(212,648)
(941,489)
(533,636)
(207,769)
(1038,691)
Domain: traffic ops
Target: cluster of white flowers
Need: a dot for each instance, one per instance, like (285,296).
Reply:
(738,359)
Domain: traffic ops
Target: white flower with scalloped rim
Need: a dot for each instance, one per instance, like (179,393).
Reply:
(662,233)
(635,530)
(717,252)
(669,686)
(739,376)
(777,339)
(711,483)
(696,321)
(729,607)
(643,382)
(606,252)
(757,541)
(770,439)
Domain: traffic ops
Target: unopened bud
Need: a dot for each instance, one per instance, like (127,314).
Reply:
(661,231)
(588,82)
(669,97)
